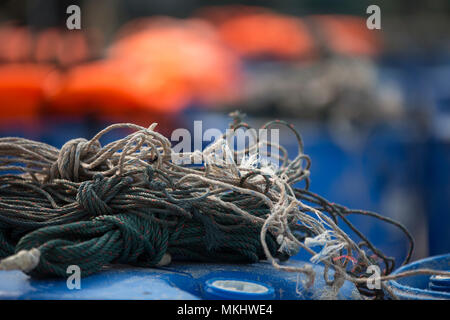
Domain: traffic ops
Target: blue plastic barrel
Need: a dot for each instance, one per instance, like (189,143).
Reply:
(382,174)
(423,287)
(425,81)
(191,281)
(437,195)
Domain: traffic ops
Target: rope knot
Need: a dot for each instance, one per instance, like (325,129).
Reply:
(157,185)
(68,165)
(94,195)
(153,184)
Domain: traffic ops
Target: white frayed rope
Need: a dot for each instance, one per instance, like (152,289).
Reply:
(25,260)
(330,246)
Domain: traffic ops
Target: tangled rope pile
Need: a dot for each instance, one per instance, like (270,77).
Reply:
(129,202)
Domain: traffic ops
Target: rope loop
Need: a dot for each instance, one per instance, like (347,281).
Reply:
(94,195)
(92,244)
(70,158)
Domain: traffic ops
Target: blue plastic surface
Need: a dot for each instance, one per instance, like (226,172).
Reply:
(178,281)
(438,161)
(418,287)
(236,289)
(439,283)
(425,80)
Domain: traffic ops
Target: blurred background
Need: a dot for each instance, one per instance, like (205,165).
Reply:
(373,106)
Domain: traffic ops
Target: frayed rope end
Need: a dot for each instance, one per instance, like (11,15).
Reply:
(25,260)
(165,260)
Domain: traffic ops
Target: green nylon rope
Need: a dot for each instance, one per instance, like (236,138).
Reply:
(121,223)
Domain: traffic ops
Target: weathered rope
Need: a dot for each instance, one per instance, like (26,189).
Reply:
(108,220)
(128,202)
